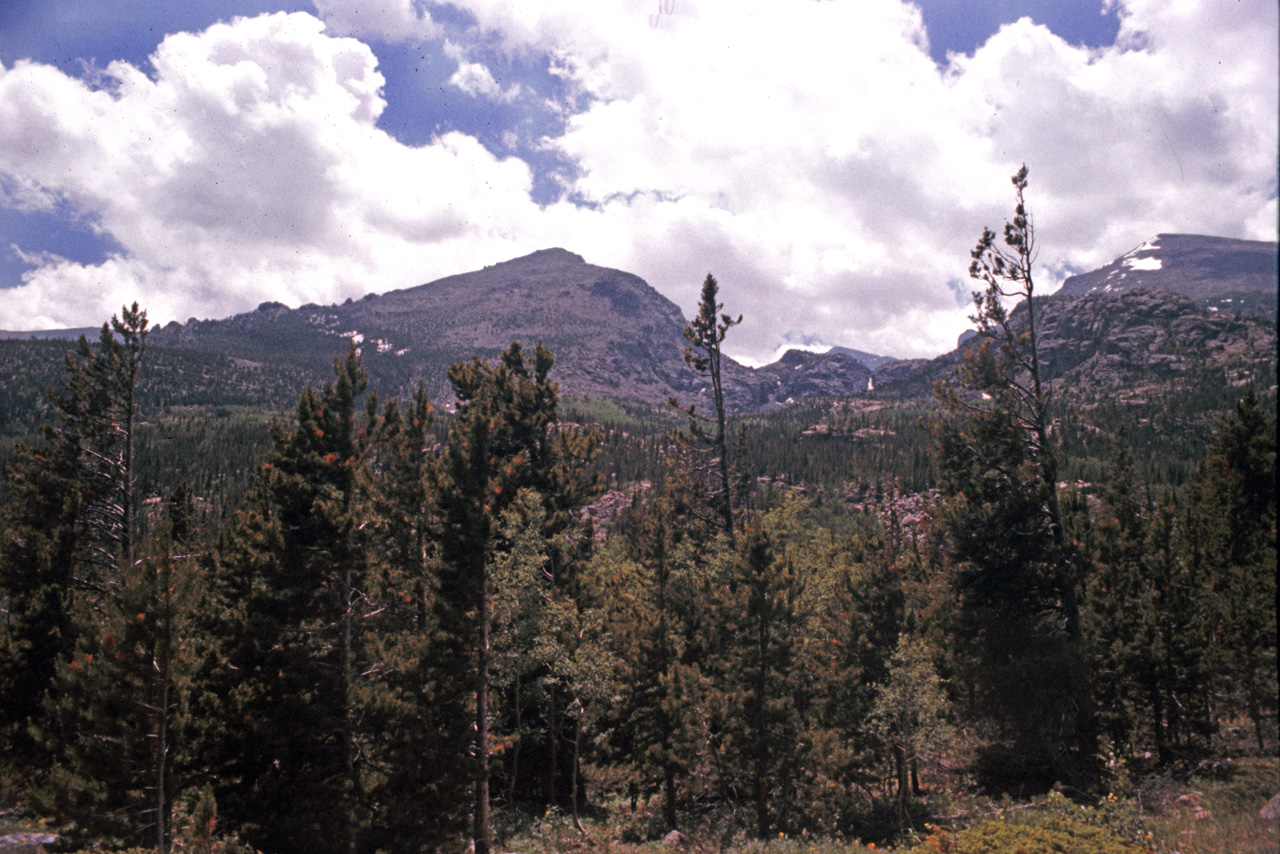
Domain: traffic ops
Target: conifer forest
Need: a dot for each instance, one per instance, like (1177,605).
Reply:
(347,622)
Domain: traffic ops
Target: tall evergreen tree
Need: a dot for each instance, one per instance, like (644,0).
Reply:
(1121,602)
(116,721)
(69,526)
(706,336)
(293,574)
(1231,537)
(761,678)
(502,441)
(409,698)
(1019,584)
(656,595)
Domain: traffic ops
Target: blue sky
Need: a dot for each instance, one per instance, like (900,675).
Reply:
(832,163)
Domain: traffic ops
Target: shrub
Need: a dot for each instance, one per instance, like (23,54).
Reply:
(1051,835)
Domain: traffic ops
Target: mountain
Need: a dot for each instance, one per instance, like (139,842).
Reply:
(612,334)
(1218,273)
(1176,305)
(871,360)
(800,374)
(1116,343)
(90,332)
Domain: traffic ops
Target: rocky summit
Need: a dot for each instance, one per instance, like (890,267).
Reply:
(1169,308)
(1115,342)
(612,334)
(1220,274)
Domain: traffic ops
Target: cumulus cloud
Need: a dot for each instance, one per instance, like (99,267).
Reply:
(249,168)
(476,79)
(812,156)
(383,20)
(835,178)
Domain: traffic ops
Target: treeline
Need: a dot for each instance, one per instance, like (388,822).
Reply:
(401,627)
(171,379)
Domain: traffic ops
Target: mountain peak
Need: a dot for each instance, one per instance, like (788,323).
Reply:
(1219,273)
(555,256)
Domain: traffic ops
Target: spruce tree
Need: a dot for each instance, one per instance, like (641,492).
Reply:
(706,336)
(503,440)
(1018,581)
(292,571)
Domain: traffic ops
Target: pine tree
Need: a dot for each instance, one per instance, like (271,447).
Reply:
(1121,601)
(1019,583)
(656,595)
(115,722)
(69,526)
(293,572)
(706,336)
(410,701)
(1231,537)
(502,441)
(759,680)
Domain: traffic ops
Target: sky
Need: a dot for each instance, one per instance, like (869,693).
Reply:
(832,163)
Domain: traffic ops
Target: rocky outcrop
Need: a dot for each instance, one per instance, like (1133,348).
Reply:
(1106,340)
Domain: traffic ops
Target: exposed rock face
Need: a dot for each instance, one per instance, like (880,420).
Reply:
(1108,339)
(1220,274)
(612,334)
(799,374)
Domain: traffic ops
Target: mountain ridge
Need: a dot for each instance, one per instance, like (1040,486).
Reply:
(1218,273)
(615,336)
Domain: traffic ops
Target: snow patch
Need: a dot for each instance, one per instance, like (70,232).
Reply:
(1143,263)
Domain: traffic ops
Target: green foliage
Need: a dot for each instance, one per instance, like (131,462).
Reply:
(504,441)
(706,336)
(291,568)
(1050,835)
(1018,585)
(1230,537)
(396,603)
(910,713)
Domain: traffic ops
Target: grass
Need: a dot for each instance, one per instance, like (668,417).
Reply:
(1210,809)
(1217,811)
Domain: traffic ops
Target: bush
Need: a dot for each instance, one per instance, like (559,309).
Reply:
(1051,835)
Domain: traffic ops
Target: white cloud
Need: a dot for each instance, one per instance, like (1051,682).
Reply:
(383,20)
(476,79)
(250,168)
(815,158)
(811,155)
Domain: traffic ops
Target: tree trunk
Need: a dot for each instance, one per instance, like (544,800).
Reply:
(481,817)
(669,796)
(348,723)
(904,782)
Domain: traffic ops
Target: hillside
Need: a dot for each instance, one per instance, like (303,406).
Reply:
(1218,273)
(613,335)
(1175,306)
